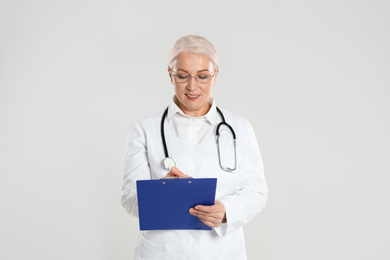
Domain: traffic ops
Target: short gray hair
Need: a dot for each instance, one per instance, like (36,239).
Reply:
(194,44)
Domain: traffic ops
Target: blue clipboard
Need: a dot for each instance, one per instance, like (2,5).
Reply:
(164,204)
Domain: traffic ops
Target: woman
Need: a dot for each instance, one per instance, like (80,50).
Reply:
(190,126)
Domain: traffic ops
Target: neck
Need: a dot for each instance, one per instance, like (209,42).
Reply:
(195,113)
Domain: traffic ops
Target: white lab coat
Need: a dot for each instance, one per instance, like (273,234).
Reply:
(243,193)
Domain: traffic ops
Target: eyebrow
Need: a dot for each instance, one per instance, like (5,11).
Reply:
(197,71)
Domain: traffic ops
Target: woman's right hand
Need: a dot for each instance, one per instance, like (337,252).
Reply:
(176,173)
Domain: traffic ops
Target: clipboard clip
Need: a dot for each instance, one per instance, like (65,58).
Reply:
(175,177)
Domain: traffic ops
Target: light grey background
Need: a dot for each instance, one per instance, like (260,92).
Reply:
(311,76)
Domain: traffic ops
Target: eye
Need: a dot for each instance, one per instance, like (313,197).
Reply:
(182,76)
(203,76)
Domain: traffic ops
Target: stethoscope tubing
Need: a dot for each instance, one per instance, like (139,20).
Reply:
(169,162)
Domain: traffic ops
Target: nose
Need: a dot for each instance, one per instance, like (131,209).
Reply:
(192,84)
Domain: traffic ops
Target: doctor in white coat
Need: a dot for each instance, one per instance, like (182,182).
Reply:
(190,127)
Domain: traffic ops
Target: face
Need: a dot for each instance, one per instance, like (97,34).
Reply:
(193,96)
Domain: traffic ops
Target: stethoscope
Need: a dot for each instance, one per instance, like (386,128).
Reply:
(169,162)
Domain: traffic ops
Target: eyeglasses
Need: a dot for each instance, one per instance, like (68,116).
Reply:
(182,77)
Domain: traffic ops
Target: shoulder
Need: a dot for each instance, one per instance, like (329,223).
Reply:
(146,125)
(150,119)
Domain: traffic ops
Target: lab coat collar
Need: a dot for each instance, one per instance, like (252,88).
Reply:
(211,116)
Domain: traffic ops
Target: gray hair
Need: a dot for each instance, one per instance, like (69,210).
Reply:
(194,44)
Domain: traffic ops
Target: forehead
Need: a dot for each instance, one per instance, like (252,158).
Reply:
(192,62)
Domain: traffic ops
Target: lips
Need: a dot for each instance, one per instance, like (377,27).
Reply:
(192,97)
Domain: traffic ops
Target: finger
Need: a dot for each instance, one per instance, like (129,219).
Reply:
(210,219)
(217,207)
(197,213)
(176,172)
(204,215)
(210,223)
(205,208)
(210,209)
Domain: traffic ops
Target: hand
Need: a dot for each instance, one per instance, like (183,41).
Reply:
(211,216)
(175,172)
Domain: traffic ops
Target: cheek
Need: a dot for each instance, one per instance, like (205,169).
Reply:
(208,89)
(178,90)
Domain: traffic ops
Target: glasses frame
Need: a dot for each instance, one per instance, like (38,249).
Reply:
(174,73)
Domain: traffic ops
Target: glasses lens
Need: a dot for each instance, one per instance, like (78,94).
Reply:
(203,78)
(182,77)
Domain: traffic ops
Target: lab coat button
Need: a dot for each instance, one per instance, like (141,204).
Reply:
(197,166)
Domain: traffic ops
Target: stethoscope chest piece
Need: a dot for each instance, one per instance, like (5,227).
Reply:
(169,163)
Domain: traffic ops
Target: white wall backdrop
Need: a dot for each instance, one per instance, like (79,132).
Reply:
(311,76)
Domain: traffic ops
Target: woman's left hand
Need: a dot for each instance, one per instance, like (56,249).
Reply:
(211,216)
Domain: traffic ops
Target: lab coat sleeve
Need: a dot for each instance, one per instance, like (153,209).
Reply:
(136,167)
(250,194)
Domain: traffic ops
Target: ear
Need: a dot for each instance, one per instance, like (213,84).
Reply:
(215,76)
(170,75)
